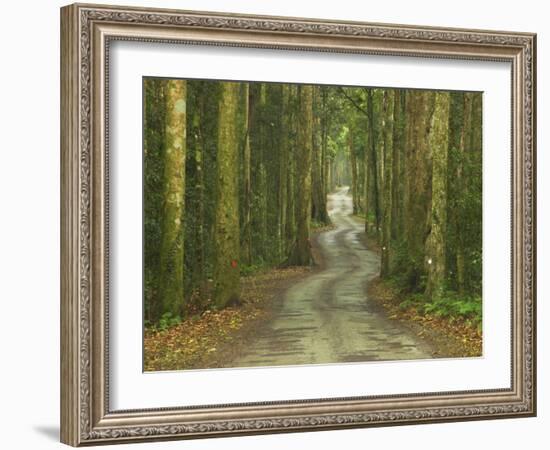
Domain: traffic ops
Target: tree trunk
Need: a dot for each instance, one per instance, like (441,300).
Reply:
(246,243)
(226,226)
(153,200)
(199,263)
(366,169)
(171,252)
(353,168)
(301,253)
(284,168)
(438,143)
(324,149)
(290,228)
(397,150)
(378,97)
(387,111)
(419,182)
(463,147)
(319,203)
(373,160)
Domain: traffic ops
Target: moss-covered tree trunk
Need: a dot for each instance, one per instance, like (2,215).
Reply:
(284,167)
(474,154)
(324,151)
(153,169)
(273,107)
(387,111)
(420,105)
(374,198)
(319,203)
(397,151)
(462,191)
(435,246)
(290,226)
(366,170)
(226,223)
(259,124)
(171,253)
(353,168)
(301,251)
(197,200)
(402,174)
(246,242)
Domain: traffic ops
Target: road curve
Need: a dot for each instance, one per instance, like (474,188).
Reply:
(326,318)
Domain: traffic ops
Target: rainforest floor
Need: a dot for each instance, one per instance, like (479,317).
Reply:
(214,339)
(218,339)
(448,338)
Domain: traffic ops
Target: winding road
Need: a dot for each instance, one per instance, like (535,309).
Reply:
(326,317)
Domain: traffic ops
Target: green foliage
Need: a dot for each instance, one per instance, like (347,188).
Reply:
(167,320)
(453,306)
(274,123)
(450,306)
(253,269)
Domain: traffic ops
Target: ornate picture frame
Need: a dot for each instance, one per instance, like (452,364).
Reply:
(87,32)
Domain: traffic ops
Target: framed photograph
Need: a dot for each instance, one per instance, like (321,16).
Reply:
(273,224)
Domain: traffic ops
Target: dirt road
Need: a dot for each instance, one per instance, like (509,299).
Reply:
(326,318)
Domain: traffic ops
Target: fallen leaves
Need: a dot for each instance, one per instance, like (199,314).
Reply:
(206,340)
(183,346)
(449,338)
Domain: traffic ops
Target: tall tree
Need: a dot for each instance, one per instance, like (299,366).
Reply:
(153,170)
(459,122)
(301,252)
(438,143)
(319,204)
(246,241)
(418,183)
(258,135)
(373,159)
(171,253)
(290,225)
(325,160)
(194,242)
(226,226)
(284,166)
(353,168)
(397,152)
(274,170)
(387,111)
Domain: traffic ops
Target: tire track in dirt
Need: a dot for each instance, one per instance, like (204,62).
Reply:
(326,317)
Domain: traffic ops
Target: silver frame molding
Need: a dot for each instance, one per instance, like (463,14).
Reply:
(86,31)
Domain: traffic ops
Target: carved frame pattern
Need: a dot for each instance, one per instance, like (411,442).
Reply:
(86,418)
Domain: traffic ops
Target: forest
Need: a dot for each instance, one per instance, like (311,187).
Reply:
(237,176)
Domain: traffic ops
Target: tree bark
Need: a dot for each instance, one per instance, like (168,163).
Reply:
(420,105)
(438,143)
(153,200)
(284,168)
(367,170)
(171,253)
(319,203)
(387,111)
(290,228)
(226,225)
(301,252)
(246,243)
(324,148)
(397,151)
(353,168)
(373,160)
(199,264)
(462,190)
